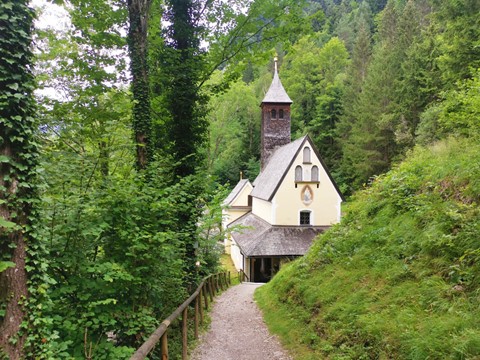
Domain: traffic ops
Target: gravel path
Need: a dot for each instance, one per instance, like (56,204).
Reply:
(237,331)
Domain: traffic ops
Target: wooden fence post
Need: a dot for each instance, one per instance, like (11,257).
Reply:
(200,304)
(164,346)
(212,291)
(209,287)
(184,333)
(229,279)
(196,317)
(205,294)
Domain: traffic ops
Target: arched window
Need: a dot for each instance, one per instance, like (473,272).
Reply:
(274,113)
(298,173)
(306,155)
(280,114)
(304,217)
(314,173)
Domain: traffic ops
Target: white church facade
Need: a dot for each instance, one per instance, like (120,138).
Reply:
(293,199)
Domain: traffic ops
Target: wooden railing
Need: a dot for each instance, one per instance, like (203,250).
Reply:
(242,276)
(208,288)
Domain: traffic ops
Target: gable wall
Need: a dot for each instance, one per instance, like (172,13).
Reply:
(242,198)
(231,213)
(325,206)
(263,209)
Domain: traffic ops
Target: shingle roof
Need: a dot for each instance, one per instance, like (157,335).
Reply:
(259,238)
(268,180)
(236,190)
(276,93)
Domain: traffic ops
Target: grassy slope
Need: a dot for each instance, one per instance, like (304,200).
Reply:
(399,277)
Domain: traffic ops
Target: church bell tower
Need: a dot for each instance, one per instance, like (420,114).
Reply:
(275,130)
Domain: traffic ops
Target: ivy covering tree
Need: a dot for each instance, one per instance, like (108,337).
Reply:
(138,11)
(18,166)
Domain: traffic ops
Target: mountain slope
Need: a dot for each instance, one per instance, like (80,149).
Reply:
(400,276)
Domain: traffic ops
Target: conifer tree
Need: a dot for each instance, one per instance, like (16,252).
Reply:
(370,146)
(459,24)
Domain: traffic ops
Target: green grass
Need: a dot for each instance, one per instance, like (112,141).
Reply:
(399,278)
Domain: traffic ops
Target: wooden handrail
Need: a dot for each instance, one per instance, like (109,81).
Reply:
(211,284)
(242,276)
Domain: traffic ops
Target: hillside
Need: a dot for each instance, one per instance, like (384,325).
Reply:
(399,278)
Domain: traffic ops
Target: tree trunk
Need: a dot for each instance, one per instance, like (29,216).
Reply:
(13,291)
(18,158)
(137,45)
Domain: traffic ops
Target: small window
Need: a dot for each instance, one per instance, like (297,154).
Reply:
(298,173)
(304,217)
(306,155)
(314,173)
(280,114)
(274,113)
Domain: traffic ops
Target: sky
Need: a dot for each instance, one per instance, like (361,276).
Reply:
(50,15)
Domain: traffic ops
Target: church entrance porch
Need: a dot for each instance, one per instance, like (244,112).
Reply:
(262,269)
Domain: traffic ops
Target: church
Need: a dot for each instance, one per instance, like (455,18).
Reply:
(293,199)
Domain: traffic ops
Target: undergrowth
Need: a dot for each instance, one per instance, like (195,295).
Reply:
(399,278)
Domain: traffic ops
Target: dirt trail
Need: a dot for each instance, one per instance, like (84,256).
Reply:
(237,331)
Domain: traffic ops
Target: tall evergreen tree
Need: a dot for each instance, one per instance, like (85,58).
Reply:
(420,81)
(370,146)
(18,159)
(459,24)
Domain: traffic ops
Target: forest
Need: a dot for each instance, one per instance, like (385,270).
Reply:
(125,123)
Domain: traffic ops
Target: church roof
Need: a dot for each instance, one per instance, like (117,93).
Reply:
(236,190)
(276,93)
(259,238)
(268,181)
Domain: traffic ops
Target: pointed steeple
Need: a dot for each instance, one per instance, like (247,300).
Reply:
(275,131)
(276,93)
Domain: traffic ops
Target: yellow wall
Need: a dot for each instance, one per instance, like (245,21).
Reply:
(242,197)
(231,214)
(325,206)
(236,255)
(263,209)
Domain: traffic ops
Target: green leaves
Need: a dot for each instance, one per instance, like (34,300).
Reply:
(6,224)
(4,265)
